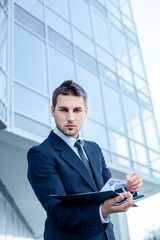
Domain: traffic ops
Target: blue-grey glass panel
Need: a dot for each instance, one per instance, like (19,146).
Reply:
(3,115)
(118,43)
(61,68)
(83,42)
(105,58)
(101,32)
(133,121)
(150,129)
(58,24)
(31,126)
(155,160)
(98,6)
(80,16)
(29,60)
(125,8)
(3,87)
(115,21)
(32,6)
(107,75)
(125,163)
(115,2)
(92,86)
(113,108)
(118,144)
(3,40)
(141,85)
(136,59)
(29,21)
(61,7)
(124,72)
(86,59)
(59,41)
(95,132)
(130,35)
(139,153)
(31,104)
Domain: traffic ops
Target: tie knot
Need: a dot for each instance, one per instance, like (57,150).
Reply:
(79,144)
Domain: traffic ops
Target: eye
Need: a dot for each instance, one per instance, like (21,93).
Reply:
(63,110)
(77,110)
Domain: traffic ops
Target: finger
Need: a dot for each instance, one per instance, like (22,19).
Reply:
(134,177)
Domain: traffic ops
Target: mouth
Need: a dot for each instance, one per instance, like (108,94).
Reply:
(70,126)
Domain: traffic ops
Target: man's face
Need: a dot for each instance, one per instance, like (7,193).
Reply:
(69,114)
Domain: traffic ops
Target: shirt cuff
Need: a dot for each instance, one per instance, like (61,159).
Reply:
(103,220)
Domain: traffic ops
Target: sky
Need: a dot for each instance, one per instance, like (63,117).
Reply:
(147,19)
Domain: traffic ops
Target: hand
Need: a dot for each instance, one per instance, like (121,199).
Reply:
(135,182)
(108,207)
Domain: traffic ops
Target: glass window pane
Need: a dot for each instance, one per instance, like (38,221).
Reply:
(124,5)
(127,88)
(86,60)
(32,6)
(132,116)
(150,129)
(139,153)
(121,161)
(101,31)
(118,144)
(29,21)
(136,59)
(124,72)
(142,170)
(79,8)
(31,104)
(95,132)
(3,40)
(105,58)
(119,45)
(108,76)
(3,86)
(83,42)
(58,24)
(91,84)
(59,72)
(59,41)
(61,7)
(29,60)
(141,85)
(113,108)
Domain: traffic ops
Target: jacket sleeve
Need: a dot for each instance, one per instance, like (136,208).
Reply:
(44,178)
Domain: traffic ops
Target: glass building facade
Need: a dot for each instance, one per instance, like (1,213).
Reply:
(93,42)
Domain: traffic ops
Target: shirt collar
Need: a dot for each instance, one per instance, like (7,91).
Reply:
(69,140)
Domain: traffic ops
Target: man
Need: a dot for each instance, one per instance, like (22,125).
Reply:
(56,167)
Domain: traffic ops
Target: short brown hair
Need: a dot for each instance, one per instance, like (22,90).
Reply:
(69,88)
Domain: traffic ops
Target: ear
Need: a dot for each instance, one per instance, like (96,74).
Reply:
(52,110)
(86,111)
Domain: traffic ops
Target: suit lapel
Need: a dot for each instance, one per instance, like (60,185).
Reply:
(72,159)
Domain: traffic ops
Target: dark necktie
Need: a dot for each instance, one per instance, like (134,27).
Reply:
(79,146)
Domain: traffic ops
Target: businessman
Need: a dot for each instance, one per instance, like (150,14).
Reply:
(66,164)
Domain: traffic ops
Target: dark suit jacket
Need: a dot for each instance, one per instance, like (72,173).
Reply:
(54,168)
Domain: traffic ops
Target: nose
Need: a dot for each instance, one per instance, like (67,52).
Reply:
(70,116)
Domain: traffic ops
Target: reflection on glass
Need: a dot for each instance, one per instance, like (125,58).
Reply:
(59,74)
(113,108)
(118,144)
(150,129)
(95,132)
(91,84)
(155,160)
(107,75)
(3,86)
(29,60)
(125,8)
(32,105)
(142,169)
(132,116)
(101,31)
(82,23)
(141,85)
(127,88)
(136,59)
(105,58)
(124,72)
(139,153)
(119,45)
